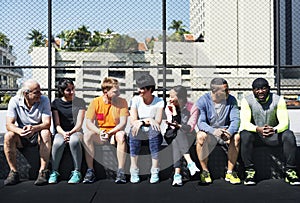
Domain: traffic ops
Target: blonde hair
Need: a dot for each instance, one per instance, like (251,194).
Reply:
(109,83)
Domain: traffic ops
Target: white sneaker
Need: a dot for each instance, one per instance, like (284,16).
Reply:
(177,180)
(134,175)
(154,175)
(193,168)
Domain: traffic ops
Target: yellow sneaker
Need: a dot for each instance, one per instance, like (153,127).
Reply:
(232,178)
(205,177)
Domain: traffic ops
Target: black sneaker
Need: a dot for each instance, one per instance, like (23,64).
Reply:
(89,176)
(42,178)
(291,177)
(250,177)
(12,178)
(121,178)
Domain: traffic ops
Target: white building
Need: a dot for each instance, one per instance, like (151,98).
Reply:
(9,74)
(236,33)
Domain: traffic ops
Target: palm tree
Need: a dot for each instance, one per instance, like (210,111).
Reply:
(177,26)
(37,37)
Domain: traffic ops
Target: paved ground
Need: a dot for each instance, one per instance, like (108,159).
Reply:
(274,190)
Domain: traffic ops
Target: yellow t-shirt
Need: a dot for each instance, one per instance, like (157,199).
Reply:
(107,115)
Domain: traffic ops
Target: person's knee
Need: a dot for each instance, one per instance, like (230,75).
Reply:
(236,139)
(46,135)
(246,136)
(201,137)
(58,141)
(10,137)
(120,137)
(288,136)
(88,137)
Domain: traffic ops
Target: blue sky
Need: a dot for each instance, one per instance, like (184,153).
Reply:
(138,18)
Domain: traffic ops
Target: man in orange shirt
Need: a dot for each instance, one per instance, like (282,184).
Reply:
(110,113)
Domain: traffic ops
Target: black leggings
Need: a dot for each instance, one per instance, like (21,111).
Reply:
(286,139)
(181,145)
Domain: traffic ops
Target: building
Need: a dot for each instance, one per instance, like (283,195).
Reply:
(9,74)
(236,34)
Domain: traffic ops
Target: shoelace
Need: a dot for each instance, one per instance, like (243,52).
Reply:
(292,174)
(234,175)
(250,174)
(205,174)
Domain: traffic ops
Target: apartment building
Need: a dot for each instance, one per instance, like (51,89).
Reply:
(8,73)
(236,33)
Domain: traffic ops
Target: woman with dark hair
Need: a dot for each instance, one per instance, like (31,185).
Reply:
(145,118)
(180,126)
(68,115)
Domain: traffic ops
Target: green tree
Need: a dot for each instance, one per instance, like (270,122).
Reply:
(122,44)
(4,41)
(37,38)
(177,26)
(82,38)
(180,30)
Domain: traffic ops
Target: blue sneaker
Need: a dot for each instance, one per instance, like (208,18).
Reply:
(53,177)
(75,177)
(177,180)
(154,175)
(89,176)
(134,175)
(193,168)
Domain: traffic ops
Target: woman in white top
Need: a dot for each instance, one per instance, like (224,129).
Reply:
(146,115)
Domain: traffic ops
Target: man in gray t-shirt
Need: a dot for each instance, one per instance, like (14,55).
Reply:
(28,123)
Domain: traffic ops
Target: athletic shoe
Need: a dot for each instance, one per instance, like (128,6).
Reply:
(232,178)
(42,178)
(193,168)
(89,176)
(134,175)
(53,177)
(177,180)
(121,178)
(291,177)
(12,178)
(205,177)
(75,177)
(154,175)
(250,177)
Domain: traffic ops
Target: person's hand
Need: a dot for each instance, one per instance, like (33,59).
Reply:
(103,136)
(136,127)
(154,124)
(66,136)
(218,132)
(172,108)
(175,124)
(226,135)
(268,131)
(27,131)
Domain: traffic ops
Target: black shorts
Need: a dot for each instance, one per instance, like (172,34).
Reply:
(32,141)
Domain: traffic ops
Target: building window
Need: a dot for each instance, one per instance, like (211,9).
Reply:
(116,73)
(185,72)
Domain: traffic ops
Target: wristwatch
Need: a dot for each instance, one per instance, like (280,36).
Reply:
(143,123)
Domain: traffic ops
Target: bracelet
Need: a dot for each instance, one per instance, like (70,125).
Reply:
(143,123)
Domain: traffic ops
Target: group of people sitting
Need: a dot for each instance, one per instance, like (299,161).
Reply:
(214,119)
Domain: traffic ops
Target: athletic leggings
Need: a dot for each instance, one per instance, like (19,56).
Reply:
(286,139)
(155,140)
(75,148)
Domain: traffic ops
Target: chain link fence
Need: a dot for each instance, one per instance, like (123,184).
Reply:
(178,42)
